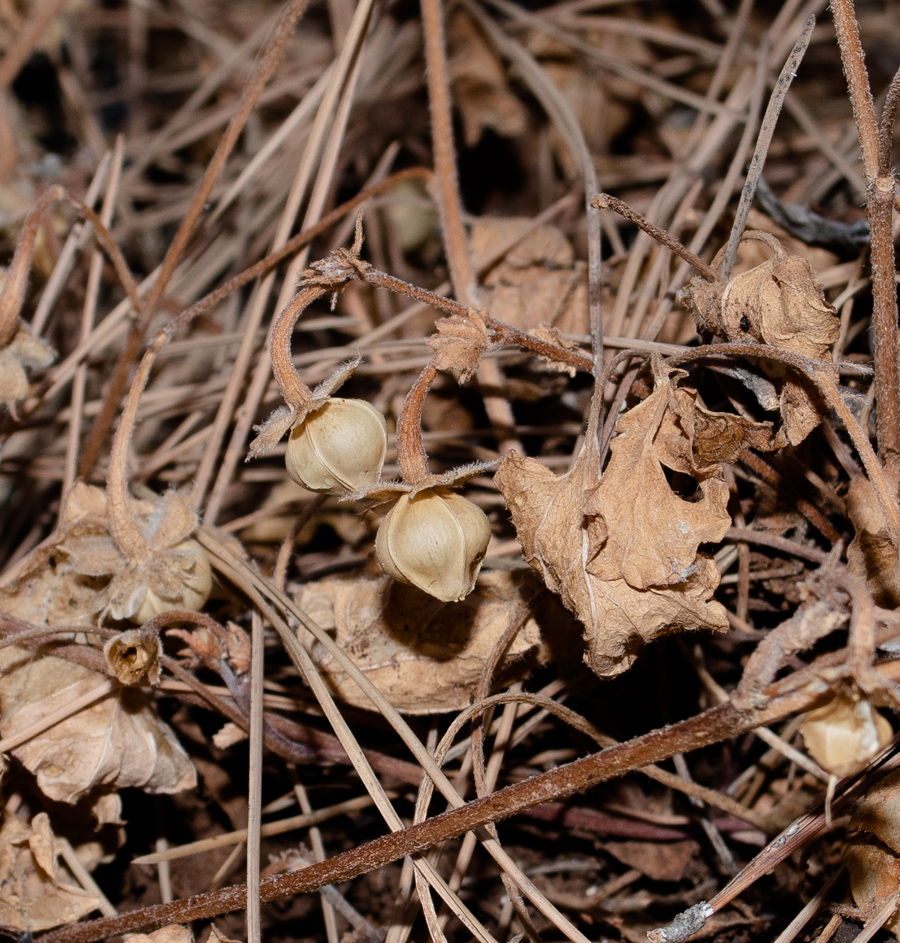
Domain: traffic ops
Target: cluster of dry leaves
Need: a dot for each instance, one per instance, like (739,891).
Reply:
(173,616)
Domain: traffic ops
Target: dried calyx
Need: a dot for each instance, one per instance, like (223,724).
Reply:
(434,539)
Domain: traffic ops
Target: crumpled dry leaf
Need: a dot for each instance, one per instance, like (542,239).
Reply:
(539,280)
(480,87)
(623,553)
(459,343)
(696,441)
(115,742)
(779,302)
(33,894)
(873,854)
(872,553)
(425,656)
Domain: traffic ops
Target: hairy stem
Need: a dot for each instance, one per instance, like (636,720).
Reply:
(880,198)
(604,201)
(410,449)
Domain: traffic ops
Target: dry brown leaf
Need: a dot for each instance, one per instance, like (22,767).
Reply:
(538,281)
(480,87)
(658,861)
(695,441)
(115,742)
(779,302)
(424,655)
(33,894)
(622,553)
(873,856)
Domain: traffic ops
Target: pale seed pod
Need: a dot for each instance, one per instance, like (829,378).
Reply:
(434,540)
(845,735)
(195,586)
(339,448)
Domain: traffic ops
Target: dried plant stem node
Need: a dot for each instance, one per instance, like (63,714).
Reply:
(338,448)
(434,540)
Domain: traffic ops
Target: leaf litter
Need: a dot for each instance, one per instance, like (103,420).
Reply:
(731,500)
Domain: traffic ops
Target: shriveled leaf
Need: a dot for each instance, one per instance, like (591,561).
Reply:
(652,534)
(115,742)
(35,896)
(782,303)
(425,656)
(695,441)
(621,553)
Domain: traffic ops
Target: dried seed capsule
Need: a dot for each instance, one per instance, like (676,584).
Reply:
(845,735)
(186,573)
(435,540)
(339,448)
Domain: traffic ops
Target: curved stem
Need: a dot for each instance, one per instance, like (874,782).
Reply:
(13,292)
(410,448)
(295,392)
(122,526)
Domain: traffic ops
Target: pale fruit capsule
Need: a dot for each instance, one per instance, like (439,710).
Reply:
(845,735)
(196,585)
(434,540)
(339,448)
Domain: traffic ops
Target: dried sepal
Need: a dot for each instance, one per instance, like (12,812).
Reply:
(552,335)
(289,416)
(179,577)
(174,573)
(459,343)
(338,448)
(382,492)
(133,656)
(435,540)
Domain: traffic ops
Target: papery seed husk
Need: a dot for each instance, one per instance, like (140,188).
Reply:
(434,540)
(844,736)
(196,585)
(339,448)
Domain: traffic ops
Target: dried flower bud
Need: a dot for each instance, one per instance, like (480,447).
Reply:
(180,578)
(434,540)
(338,448)
(845,735)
